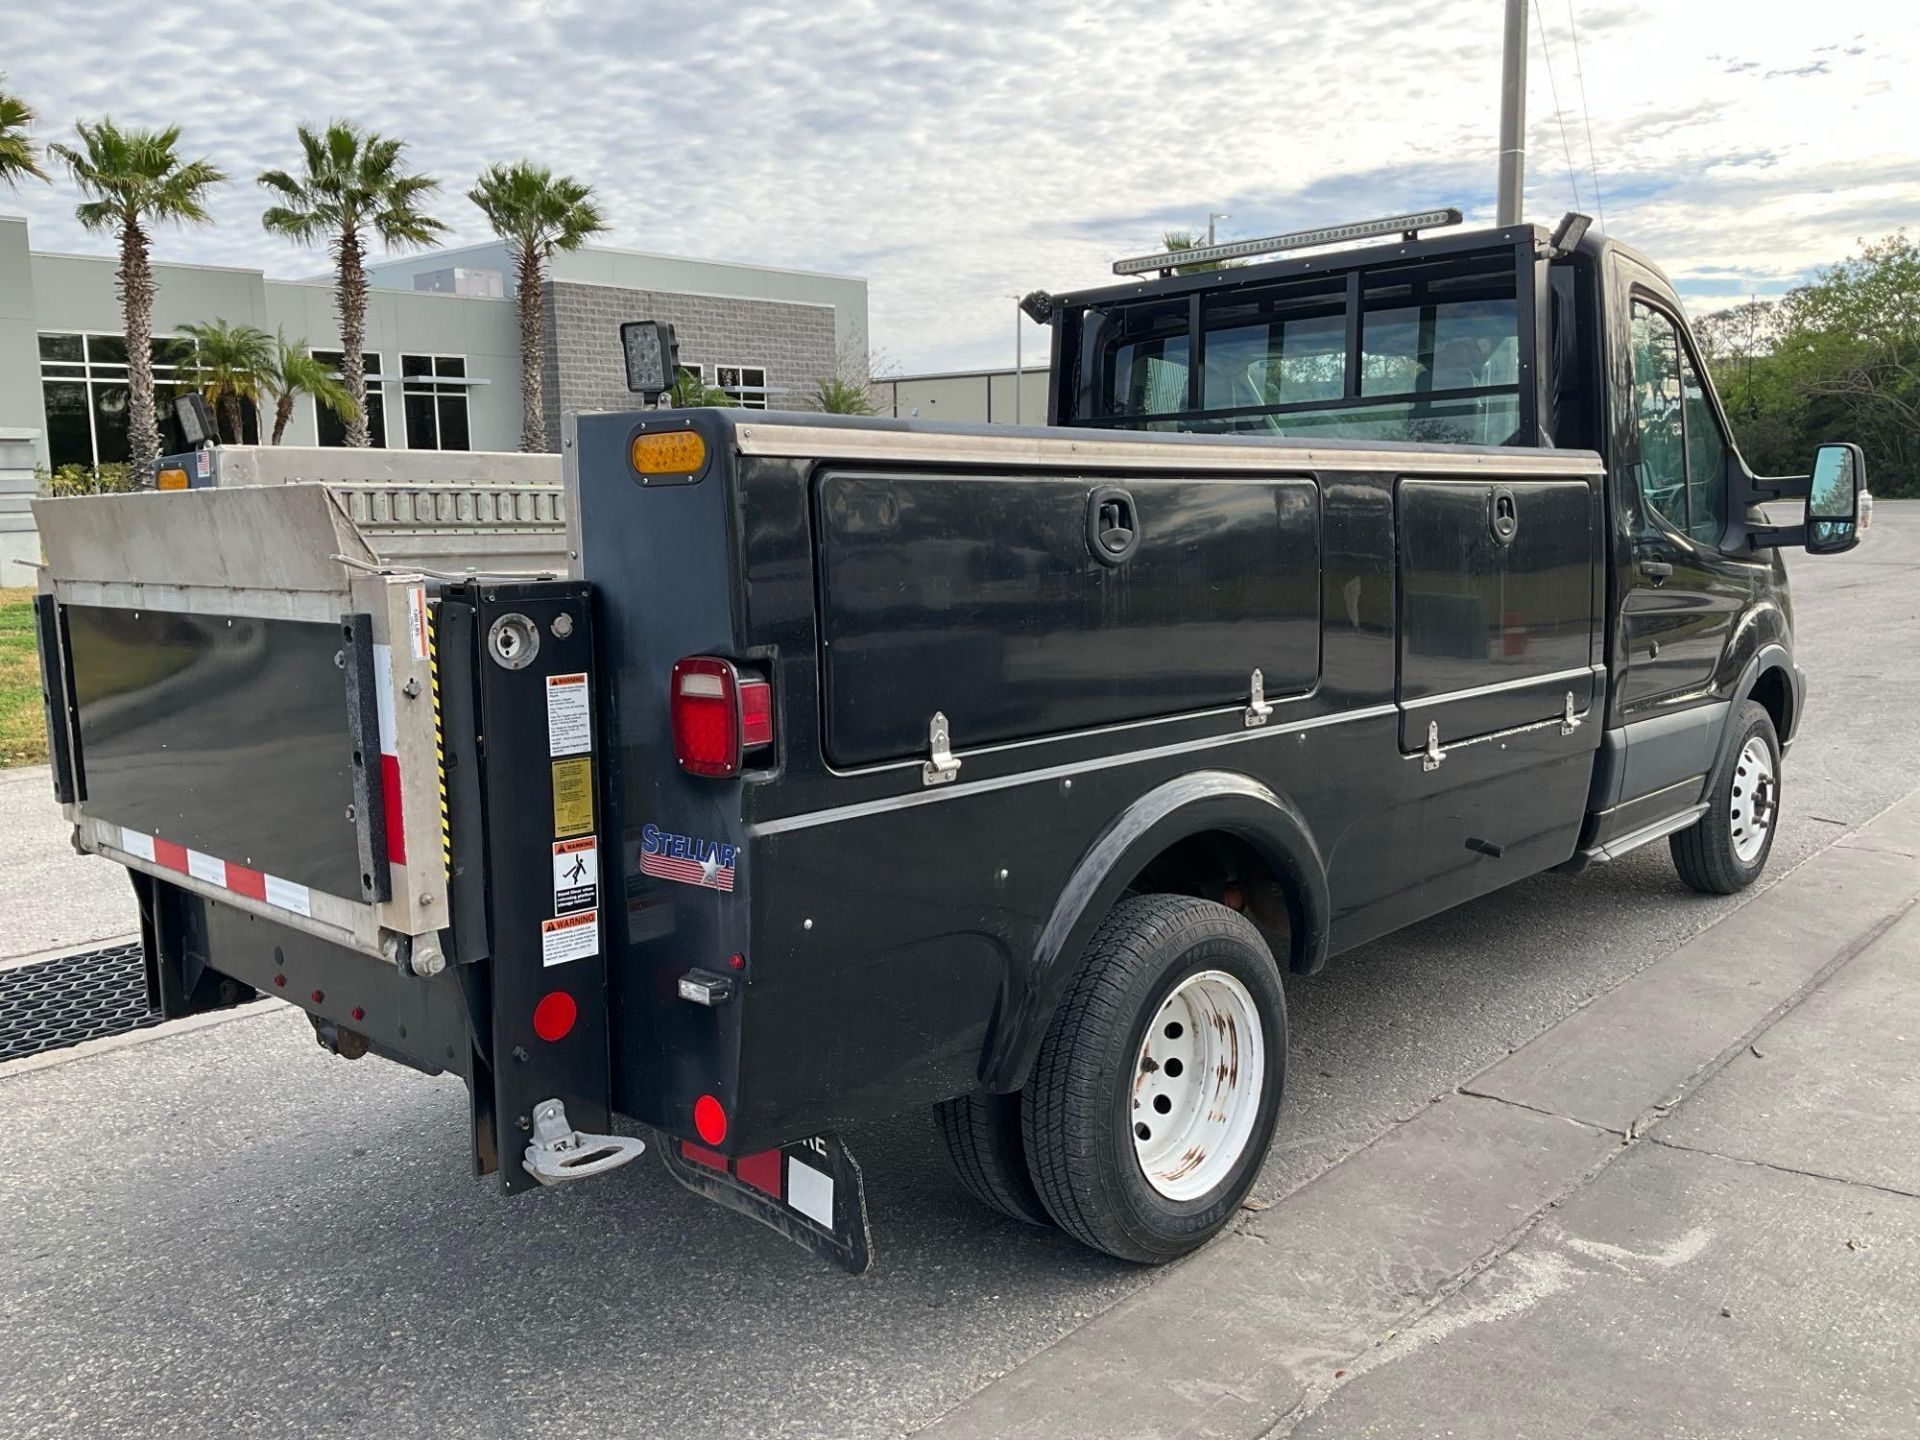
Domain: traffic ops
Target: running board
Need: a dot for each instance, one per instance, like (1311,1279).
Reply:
(1645,835)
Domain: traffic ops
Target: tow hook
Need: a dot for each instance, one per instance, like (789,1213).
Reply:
(560,1153)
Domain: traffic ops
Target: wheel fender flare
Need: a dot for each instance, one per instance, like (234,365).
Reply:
(1768,657)
(1205,800)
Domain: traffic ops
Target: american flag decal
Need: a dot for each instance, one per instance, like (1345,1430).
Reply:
(709,864)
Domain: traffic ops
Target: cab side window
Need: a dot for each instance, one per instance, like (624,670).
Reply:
(1681,469)
(1662,465)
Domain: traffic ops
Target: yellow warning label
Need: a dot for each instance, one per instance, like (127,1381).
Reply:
(572,796)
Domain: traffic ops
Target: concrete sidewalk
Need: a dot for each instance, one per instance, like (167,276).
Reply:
(53,901)
(1690,1208)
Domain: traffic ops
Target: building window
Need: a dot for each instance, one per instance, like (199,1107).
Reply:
(83,387)
(332,429)
(746,385)
(434,392)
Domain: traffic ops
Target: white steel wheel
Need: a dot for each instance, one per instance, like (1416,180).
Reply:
(1197,1085)
(1750,815)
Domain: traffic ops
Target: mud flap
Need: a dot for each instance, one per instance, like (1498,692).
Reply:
(810,1191)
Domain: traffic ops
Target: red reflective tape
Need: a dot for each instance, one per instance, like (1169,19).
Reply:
(761,1171)
(243,881)
(173,856)
(700,1155)
(390,797)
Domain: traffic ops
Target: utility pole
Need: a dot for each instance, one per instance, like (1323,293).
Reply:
(1513,116)
(1211,217)
(1019,362)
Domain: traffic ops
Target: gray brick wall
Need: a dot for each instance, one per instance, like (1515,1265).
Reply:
(582,368)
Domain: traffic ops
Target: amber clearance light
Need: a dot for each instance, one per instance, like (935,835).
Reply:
(170,479)
(669,452)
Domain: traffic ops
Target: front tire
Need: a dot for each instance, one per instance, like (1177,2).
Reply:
(1158,1084)
(1725,850)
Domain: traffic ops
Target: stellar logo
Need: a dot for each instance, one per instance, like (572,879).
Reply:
(687,858)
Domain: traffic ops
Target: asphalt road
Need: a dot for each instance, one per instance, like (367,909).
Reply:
(229,1231)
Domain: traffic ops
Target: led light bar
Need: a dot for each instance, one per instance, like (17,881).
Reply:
(1295,240)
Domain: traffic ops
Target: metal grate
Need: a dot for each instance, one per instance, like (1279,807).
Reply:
(52,1003)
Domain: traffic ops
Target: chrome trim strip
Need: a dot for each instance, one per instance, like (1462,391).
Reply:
(887,803)
(1557,677)
(1080,448)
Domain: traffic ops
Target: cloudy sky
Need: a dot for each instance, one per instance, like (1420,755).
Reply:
(957,153)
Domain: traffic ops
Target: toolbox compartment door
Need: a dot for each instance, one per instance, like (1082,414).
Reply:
(1499,601)
(985,597)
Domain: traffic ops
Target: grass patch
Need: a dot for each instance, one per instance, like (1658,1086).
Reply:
(23,717)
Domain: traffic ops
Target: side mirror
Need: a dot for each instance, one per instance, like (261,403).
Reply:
(653,357)
(1833,499)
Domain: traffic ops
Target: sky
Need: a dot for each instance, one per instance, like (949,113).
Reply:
(958,154)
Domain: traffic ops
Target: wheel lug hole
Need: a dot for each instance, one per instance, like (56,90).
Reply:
(1162,1104)
(1142,1131)
(1174,1030)
(1172,1068)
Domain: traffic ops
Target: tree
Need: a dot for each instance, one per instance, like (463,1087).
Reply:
(832,395)
(18,158)
(1177,240)
(1835,359)
(690,391)
(134,179)
(352,187)
(291,372)
(229,364)
(536,212)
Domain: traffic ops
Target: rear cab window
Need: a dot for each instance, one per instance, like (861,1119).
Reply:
(1422,352)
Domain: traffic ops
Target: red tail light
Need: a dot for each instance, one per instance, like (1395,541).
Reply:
(718,714)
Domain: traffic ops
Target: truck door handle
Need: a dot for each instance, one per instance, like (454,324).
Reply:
(1113,525)
(1503,515)
(1657,571)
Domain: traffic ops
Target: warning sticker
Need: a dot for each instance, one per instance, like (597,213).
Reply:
(417,620)
(572,796)
(576,875)
(570,937)
(569,725)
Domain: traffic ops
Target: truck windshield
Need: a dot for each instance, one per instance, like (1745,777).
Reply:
(1427,353)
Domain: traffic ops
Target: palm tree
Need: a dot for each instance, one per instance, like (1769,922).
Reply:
(134,179)
(229,364)
(293,372)
(536,212)
(1175,240)
(17,157)
(836,395)
(351,188)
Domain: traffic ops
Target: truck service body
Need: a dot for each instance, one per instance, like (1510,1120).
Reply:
(847,766)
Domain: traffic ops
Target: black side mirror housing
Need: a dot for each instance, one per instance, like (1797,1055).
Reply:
(653,357)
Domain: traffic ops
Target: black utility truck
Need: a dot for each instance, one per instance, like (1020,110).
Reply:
(854,766)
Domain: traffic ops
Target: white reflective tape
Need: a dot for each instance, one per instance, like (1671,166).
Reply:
(208,868)
(810,1192)
(383,697)
(289,896)
(134,842)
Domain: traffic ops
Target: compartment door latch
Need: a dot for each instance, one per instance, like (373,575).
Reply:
(942,765)
(1431,758)
(1259,708)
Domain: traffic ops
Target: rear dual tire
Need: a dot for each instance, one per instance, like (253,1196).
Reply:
(1156,1091)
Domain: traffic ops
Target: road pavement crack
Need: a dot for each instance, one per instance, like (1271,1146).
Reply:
(1787,1169)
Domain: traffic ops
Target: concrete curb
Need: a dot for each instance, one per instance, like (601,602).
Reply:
(108,1044)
